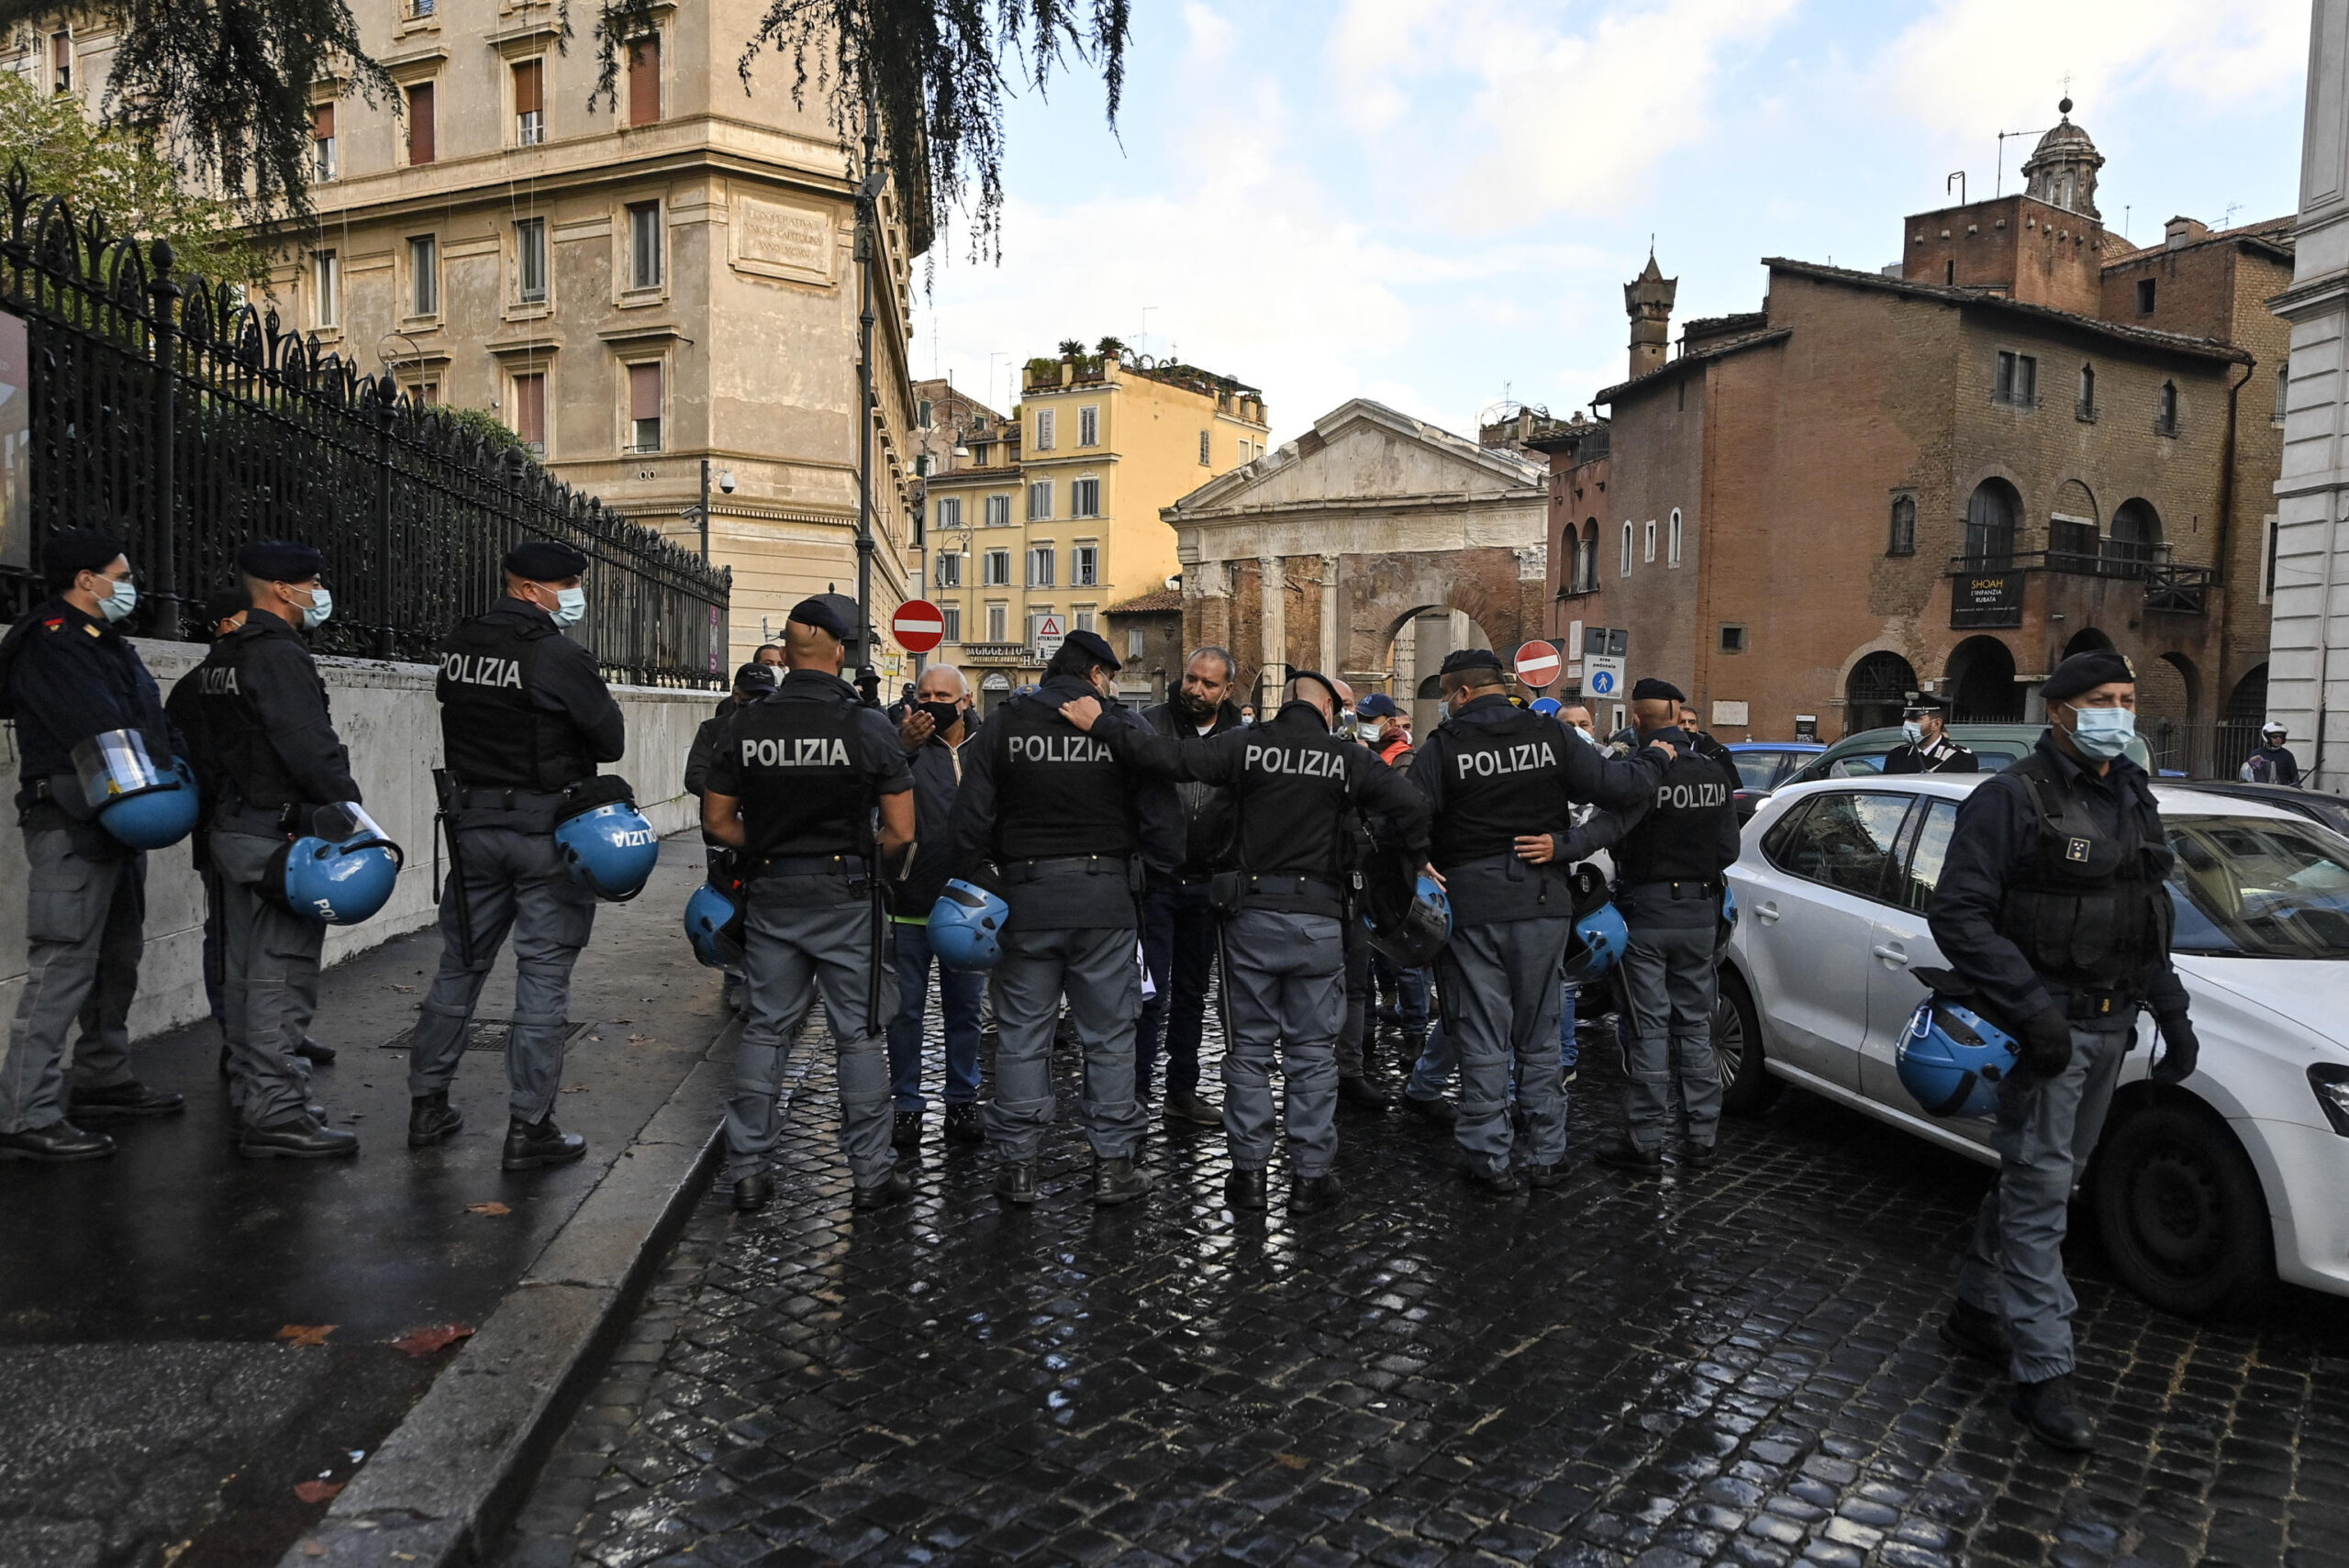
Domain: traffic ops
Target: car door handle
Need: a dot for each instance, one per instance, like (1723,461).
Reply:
(1768,912)
(1892,953)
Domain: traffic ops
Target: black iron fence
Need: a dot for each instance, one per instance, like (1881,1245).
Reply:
(2205,749)
(168,411)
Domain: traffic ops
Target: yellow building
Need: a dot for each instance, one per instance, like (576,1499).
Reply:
(1056,512)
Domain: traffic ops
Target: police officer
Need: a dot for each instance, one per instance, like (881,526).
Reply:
(68,674)
(1295,787)
(934,731)
(1670,852)
(1925,746)
(524,715)
(751,682)
(1179,928)
(1502,781)
(1063,825)
(275,758)
(2052,913)
(2273,762)
(794,788)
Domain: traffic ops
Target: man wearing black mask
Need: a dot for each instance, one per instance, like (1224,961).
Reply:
(936,727)
(1178,929)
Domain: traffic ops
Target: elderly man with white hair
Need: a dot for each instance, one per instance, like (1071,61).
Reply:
(936,724)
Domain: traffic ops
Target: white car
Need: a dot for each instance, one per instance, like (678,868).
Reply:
(2202,1193)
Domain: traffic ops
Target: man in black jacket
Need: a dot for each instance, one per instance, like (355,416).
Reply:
(69,674)
(1925,746)
(1178,926)
(935,730)
(753,683)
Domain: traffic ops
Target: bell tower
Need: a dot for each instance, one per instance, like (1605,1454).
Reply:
(2060,171)
(1647,299)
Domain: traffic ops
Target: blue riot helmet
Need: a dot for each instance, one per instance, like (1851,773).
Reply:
(1411,936)
(710,925)
(1599,938)
(610,848)
(144,802)
(1952,1059)
(1729,906)
(967,927)
(341,873)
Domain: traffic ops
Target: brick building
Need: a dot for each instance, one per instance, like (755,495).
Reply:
(2021,440)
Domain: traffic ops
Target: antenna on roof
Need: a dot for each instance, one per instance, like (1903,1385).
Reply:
(2227,220)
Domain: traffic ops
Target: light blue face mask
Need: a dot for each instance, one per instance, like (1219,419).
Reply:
(123,599)
(1911,731)
(2103,732)
(320,609)
(569,605)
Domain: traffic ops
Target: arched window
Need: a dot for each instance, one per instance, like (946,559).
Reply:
(2165,415)
(1990,524)
(1672,546)
(1903,538)
(2135,539)
(2085,406)
(1876,691)
(1589,555)
(1627,547)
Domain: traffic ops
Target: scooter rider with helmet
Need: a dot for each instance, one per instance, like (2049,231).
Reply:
(794,788)
(524,718)
(271,738)
(69,674)
(1285,897)
(2052,912)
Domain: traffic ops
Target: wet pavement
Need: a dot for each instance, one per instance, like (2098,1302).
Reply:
(186,1336)
(1739,1366)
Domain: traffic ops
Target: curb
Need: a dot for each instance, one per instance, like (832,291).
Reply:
(443,1489)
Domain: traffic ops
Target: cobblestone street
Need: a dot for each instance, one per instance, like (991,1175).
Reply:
(1736,1367)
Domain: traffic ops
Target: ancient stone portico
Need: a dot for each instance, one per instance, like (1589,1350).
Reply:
(1391,541)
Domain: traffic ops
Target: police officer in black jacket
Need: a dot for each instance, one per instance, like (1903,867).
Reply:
(2051,909)
(275,758)
(68,674)
(1925,746)
(524,715)
(1062,823)
(1671,849)
(794,788)
(1502,781)
(1297,789)
(1179,928)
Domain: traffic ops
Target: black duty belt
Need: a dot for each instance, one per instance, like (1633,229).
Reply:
(1064,866)
(263,820)
(2087,1003)
(813,866)
(494,797)
(1692,887)
(1296,887)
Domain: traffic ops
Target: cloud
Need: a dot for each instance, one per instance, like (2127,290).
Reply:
(1972,62)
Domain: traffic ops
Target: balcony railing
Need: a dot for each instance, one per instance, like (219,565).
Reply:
(1986,589)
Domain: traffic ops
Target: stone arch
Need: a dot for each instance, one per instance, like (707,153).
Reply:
(2136,535)
(1876,690)
(1980,682)
(1416,643)
(2167,692)
(2248,702)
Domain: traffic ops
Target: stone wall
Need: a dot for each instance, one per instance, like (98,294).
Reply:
(386,715)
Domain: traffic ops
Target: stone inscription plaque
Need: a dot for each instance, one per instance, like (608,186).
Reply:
(778,242)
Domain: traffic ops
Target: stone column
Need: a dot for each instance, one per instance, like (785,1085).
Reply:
(1273,629)
(1329,616)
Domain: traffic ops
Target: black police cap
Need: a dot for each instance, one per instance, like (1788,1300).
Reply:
(72,552)
(545,560)
(1461,659)
(2087,672)
(754,674)
(222,603)
(280,560)
(1093,647)
(823,612)
(1650,689)
(1928,702)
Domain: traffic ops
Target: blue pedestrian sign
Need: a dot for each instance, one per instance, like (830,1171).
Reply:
(1602,683)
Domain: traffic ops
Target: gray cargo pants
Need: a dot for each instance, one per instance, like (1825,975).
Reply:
(1354,1030)
(807,934)
(1669,980)
(269,983)
(1285,996)
(83,939)
(2014,1266)
(513,882)
(1500,1002)
(1095,969)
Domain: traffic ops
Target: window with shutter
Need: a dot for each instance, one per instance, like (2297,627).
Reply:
(644,81)
(326,161)
(530,260)
(644,407)
(530,103)
(530,411)
(419,123)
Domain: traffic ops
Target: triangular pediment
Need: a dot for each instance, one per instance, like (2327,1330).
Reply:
(1363,452)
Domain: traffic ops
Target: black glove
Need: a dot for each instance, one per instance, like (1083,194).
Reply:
(2180,1050)
(2047,1042)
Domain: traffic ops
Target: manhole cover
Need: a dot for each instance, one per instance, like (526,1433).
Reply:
(487,1034)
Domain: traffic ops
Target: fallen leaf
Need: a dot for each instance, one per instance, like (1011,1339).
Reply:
(314,1549)
(306,1333)
(317,1492)
(575,1089)
(487,1209)
(425,1341)
(404,990)
(1293,1461)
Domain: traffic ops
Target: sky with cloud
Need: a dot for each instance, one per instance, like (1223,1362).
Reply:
(1435,203)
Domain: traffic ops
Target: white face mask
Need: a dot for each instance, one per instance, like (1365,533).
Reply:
(1587,737)
(570,607)
(320,609)
(122,598)
(2103,732)
(1911,731)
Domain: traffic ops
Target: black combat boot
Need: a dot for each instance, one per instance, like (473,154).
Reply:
(432,1120)
(1115,1181)
(529,1145)
(895,1187)
(300,1139)
(55,1143)
(2054,1417)
(1978,1333)
(1314,1193)
(1015,1182)
(753,1193)
(1244,1190)
(131,1098)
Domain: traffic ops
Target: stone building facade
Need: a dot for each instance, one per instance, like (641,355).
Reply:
(1367,547)
(1885,483)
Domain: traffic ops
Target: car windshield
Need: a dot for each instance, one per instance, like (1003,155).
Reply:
(2259,887)
(1756,768)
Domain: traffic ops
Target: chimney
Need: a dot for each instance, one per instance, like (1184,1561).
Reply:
(1647,299)
(2181,231)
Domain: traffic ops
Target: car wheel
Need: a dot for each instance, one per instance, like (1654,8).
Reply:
(1747,1086)
(2180,1212)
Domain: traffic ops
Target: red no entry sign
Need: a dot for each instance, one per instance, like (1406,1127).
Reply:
(1537,664)
(919,626)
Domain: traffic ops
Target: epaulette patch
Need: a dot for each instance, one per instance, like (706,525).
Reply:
(54,625)
(92,631)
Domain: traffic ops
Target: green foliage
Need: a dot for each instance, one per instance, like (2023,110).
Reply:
(1070,347)
(492,431)
(116,171)
(1110,348)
